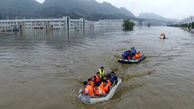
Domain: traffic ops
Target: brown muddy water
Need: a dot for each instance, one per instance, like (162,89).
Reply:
(45,70)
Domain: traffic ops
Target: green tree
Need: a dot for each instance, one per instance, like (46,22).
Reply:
(128,25)
(189,26)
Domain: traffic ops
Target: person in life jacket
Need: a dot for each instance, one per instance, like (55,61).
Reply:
(161,34)
(88,91)
(127,54)
(97,78)
(137,55)
(91,82)
(133,51)
(98,91)
(105,86)
(102,73)
(105,78)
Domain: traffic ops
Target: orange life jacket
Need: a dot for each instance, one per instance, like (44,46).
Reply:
(109,84)
(88,90)
(97,78)
(99,91)
(137,55)
(106,87)
(92,84)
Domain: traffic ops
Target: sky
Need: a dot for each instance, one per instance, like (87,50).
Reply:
(177,9)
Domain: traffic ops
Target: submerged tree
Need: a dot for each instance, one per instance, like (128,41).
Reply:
(128,25)
(189,26)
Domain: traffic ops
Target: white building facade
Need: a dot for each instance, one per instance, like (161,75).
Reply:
(59,23)
(56,23)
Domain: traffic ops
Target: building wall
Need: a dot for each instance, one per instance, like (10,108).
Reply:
(59,23)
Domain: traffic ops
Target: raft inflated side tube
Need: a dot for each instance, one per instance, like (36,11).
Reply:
(128,61)
(163,38)
(89,100)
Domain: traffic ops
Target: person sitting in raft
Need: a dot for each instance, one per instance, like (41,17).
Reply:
(133,51)
(98,91)
(137,55)
(102,73)
(113,78)
(105,86)
(91,82)
(105,78)
(127,54)
(97,78)
(162,35)
(88,91)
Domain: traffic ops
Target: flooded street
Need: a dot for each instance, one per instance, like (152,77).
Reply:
(45,70)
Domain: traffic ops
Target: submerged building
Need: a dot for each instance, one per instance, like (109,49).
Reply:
(58,23)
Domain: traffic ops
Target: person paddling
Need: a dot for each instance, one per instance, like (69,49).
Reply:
(127,54)
(133,51)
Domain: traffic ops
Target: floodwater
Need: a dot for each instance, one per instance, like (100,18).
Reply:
(45,70)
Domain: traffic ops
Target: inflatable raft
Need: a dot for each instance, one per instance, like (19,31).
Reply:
(163,37)
(128,61)
(89,100)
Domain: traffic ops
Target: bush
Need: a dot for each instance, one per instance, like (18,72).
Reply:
(184,25)
(189,26)
(192,25)
(128,25)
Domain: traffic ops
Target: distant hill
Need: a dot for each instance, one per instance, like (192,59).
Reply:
(90,9)
(20,8)
(126,12)
(152,16)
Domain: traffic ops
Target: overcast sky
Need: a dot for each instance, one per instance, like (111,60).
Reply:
(168,8)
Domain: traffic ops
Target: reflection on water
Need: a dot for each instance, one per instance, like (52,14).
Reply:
(45,69)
